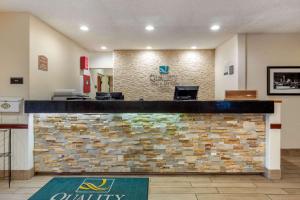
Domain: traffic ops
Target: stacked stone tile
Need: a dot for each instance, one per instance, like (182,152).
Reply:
(160,143)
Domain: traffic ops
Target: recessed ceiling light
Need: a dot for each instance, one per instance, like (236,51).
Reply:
(193,47)
(148,47)
(84,28)
(215,27)
(103,47)
(149,28)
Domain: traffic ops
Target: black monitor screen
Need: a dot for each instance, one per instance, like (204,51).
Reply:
(117,95)
(109,96)
(186,92)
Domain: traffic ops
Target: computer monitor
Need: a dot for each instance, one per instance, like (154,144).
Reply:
(186,92)
(117,96)
(109,96)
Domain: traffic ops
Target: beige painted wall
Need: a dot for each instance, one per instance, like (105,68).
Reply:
(226,55)
(14,51)
(278,50)
(22,39)
(14,62)
(101,60)
(63,61)
(231,52)
(132,71)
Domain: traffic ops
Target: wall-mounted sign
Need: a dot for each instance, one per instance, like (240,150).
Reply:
(163,80)
(229,70)
(16,80)
(164,69)
(43,63)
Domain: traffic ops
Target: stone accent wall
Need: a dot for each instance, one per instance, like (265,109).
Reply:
(132,70)
(158,143)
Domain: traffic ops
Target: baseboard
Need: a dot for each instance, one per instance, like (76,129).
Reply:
(273,174)
(18,174)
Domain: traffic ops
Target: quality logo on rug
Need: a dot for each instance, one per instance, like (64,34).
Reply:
(93,188)
(96,185)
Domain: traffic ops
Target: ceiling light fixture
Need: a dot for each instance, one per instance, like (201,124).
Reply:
(84,28)
(149,28)
(148,47)
(215,27)
(103,47)
(193,47)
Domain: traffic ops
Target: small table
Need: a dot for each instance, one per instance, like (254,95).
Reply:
(9,127)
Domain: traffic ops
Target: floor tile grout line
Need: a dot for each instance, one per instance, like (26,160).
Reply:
(268,196)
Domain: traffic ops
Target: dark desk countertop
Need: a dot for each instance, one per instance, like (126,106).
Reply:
(38,106)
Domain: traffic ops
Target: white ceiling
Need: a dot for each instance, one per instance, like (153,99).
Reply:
(119,24)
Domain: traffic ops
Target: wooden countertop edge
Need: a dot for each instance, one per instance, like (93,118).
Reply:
(13,126)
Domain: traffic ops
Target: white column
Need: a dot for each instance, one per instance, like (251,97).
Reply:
(30,162)
(273,147)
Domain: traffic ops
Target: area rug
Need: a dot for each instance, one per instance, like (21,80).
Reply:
(93,188)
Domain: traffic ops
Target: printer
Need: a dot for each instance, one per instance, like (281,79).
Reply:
(68,95)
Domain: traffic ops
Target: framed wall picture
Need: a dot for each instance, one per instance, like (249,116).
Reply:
(42,63)
(283,80)
(228,70)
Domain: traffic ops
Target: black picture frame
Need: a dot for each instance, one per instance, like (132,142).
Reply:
(269,84)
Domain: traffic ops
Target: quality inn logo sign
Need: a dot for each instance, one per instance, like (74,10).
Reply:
(92,189)
(96,185)
(164,69)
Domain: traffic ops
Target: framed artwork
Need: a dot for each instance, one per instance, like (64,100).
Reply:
(283,80)
(228,70)
(42,63)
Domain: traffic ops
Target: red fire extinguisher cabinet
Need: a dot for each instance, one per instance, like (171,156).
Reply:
(84,63)
(86,84)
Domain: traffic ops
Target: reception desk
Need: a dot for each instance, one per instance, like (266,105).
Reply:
(155,137)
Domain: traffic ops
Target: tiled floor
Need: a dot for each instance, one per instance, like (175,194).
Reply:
(206,187)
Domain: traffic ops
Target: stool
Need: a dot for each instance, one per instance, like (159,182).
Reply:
(9,127)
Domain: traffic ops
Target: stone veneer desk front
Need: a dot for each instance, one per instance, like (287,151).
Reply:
(154,137)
